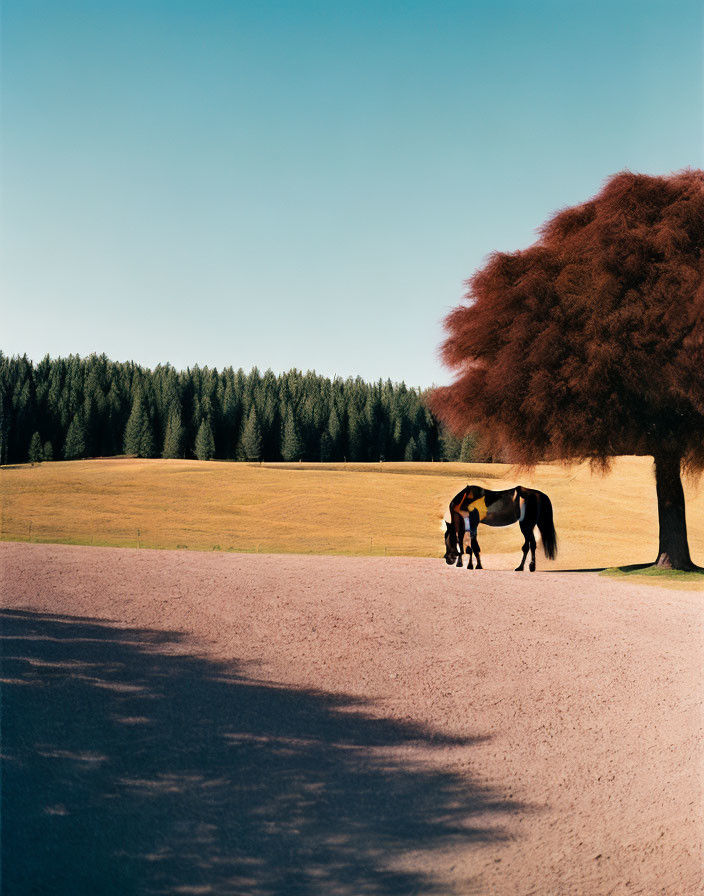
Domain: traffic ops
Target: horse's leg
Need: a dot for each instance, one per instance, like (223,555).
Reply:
(459,530)
(531,566)
(528,526)
(526,545)
(473,521)
(477,551)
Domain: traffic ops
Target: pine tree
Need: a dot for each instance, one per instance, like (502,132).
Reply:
(251,444)
(334,432)
(411,450)
(173,439)
(75,445)
(355,435)
(291,443)
(205,444)
(373,427)
(325,447)
(450,446)
(36,455)
(139,440)
(48,453)
(21,428)
(231,411)
(397,438)
(115,419)
(422,446)
(270,428)
(304,420)
(468,451)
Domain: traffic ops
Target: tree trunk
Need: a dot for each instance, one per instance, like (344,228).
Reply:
(673,549)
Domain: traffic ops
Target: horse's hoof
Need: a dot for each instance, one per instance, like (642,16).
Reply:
(532,567)
(479,566)
(470,567)
(518,569)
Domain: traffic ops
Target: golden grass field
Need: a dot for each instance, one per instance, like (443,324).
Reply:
(363,509)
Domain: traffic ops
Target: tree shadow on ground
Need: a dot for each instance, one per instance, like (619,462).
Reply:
(639,568)
(131,767)
(650,570)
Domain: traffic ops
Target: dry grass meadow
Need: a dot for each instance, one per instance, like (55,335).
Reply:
(354,509)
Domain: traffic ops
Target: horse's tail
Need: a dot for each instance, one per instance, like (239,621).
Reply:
(546,527)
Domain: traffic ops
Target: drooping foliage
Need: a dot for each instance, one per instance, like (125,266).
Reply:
(590,343)
(92,407)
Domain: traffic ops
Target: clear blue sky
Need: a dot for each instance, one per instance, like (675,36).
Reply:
(309,184)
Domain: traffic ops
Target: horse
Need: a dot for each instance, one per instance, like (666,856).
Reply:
(474,504)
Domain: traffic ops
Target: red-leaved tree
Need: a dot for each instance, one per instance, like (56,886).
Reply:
(590,343)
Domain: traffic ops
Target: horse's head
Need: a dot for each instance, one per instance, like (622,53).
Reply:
(452,551)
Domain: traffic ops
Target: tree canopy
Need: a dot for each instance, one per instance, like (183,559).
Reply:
(590,343)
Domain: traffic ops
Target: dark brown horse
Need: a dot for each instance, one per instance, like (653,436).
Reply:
(474,504)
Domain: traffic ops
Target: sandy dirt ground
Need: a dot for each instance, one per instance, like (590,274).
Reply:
(197,723)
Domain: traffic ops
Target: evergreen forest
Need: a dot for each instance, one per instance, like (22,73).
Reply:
(68,408)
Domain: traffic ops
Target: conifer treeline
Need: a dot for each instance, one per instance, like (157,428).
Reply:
(74,407)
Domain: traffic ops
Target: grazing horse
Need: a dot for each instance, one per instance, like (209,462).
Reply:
(474,504)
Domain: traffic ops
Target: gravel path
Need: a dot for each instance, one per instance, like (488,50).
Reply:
(179,722)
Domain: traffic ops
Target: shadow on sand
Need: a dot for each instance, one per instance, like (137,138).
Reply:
(131,767)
